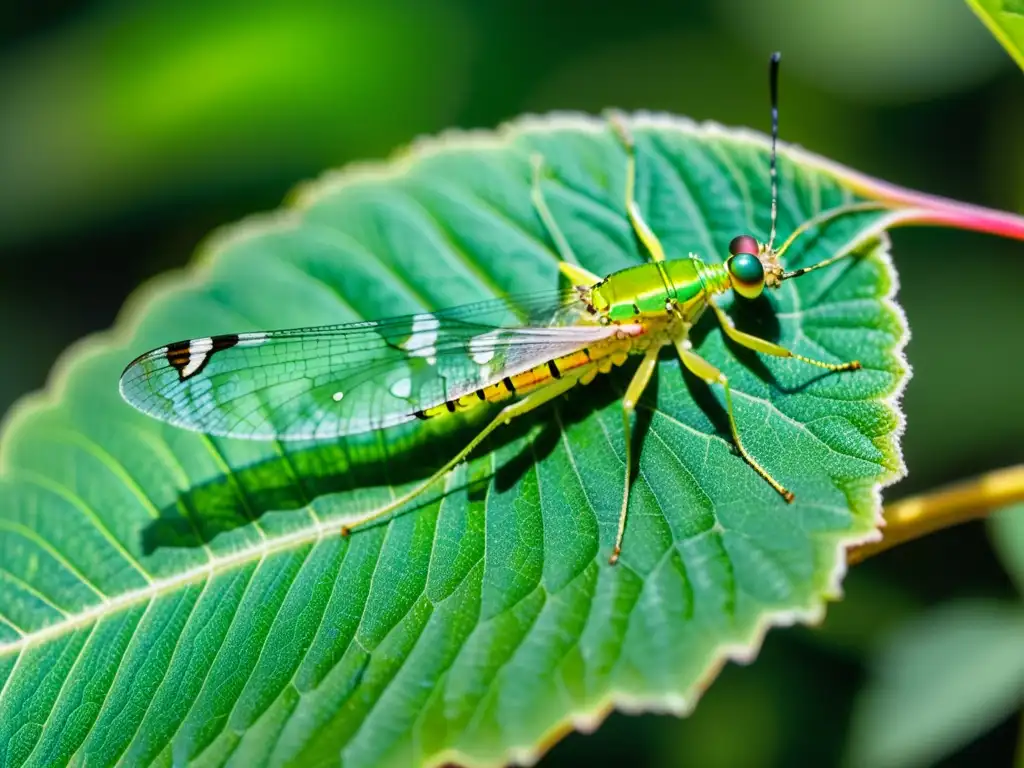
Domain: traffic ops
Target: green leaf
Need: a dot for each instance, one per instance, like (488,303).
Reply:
(1005,20)
(1007,530)
(169,597)
(938,682)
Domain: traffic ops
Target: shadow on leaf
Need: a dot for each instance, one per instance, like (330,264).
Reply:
(304,472)
(307,471)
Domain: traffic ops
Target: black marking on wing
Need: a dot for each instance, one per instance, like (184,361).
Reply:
(179,354)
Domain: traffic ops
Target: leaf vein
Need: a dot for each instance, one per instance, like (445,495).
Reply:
(230,475)
(34,538)
(173,463)
(63,686)
(388,271)
(149,702)
(76,501)
(22,584)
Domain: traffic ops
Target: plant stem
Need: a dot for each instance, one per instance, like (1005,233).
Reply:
(968,500)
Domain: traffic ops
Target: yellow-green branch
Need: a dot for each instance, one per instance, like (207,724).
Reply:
(920,515)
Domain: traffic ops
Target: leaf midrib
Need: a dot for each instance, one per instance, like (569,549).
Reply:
(159,587)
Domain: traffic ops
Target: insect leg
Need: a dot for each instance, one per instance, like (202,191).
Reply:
(530,401)
(643,229)
(768,348)
(636,387)
(826,217)
(569,264)
(705,370)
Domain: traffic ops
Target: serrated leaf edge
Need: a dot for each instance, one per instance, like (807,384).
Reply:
(400,163)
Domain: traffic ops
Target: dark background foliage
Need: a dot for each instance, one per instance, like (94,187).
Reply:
(130,130)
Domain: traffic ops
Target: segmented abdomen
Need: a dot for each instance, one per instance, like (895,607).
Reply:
(599,357)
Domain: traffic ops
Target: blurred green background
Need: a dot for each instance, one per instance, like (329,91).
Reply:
(130,130)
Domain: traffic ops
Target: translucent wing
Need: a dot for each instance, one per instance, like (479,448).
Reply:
(328,381)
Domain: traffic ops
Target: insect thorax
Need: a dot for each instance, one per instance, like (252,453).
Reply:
(645,291)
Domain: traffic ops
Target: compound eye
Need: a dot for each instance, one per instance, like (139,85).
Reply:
(744,244)
(746,274)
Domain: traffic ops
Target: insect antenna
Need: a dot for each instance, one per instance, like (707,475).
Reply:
(773,87)
(822,218)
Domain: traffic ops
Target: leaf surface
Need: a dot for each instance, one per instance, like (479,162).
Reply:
(169,597)
(939,681)
(1007,531)
(1005,20)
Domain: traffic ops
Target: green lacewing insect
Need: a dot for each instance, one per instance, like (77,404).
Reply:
(331,381)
